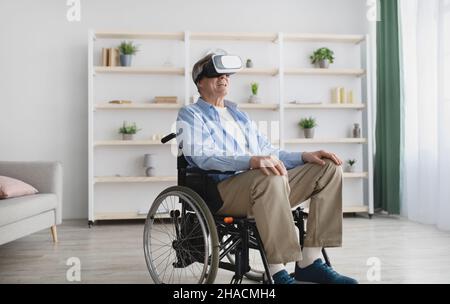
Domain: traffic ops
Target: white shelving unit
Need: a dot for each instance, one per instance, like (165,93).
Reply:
(126,195)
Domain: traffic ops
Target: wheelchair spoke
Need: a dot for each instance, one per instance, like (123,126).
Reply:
(165,269)
(177,249)
(154,251)
(168,250)
(165,231)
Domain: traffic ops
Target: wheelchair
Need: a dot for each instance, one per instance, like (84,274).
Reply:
(185,243)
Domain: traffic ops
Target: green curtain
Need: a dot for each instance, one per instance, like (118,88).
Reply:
(387,157)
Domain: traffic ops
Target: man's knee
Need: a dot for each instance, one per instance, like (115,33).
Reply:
(275,180)
(272,191)
(332,170)
(329,168)
(272,181)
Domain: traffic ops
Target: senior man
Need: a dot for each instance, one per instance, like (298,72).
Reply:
(269,182)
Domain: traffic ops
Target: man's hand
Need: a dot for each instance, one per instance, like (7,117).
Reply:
(318,156)
(269,165)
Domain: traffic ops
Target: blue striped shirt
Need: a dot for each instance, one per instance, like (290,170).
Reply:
(208,145)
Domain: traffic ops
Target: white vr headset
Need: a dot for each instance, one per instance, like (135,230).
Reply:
(220,65)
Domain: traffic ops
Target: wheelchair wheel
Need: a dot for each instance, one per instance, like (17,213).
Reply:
(181,245)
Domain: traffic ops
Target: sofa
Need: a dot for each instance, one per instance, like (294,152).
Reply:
(21,216)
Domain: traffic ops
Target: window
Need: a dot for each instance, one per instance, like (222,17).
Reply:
(446,45)
(446,51)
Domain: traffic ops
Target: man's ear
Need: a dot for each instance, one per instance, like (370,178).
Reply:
(200,84)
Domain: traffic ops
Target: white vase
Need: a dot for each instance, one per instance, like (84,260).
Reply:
(254,99)
(309,133)
(127,136)
(323,64)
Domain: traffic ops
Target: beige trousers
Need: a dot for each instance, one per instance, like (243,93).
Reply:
(269,200)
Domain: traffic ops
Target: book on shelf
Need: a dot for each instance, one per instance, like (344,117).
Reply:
(295,102)
(105,57)
(166,99)
(110,57)
(114,56)
(120,102)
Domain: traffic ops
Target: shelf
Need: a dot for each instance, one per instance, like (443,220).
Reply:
(103,216)
(259,71)
(325,106)
(268,37)
(326,141)
(137,106)
(134,179)
(128,143)
(258,106)
(108,208)
(356,39)
(325,72)
(140,70)
(355,209)
(350,209)
(271,37)
(156,179)
(356,175)
(139,35)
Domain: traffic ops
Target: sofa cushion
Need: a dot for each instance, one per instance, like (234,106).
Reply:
(11,187)
(18,208)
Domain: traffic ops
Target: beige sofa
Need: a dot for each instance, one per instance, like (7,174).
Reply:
(25,215)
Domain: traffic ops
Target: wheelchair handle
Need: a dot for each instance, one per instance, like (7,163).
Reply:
(168,138)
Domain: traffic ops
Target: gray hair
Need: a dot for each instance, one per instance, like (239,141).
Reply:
(198,68)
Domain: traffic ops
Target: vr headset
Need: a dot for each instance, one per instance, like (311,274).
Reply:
(220,65)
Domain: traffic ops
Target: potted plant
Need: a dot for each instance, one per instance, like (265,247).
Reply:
(351,165)
(128,130)
(127,50)
(322,58)
(254,97)
(308,125)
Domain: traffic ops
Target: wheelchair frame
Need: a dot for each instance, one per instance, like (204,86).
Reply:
(242,233)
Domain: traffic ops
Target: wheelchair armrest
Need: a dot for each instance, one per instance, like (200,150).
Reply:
(206,172)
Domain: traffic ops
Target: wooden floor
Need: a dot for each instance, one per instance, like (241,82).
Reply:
(112,253)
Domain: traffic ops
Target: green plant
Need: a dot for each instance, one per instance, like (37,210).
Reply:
(128,48)
(255,87)
(322,54)
(128,128)
(351,162)
(307,123)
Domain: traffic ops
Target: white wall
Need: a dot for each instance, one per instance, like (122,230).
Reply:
(43,63)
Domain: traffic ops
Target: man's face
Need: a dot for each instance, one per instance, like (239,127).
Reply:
(216,86)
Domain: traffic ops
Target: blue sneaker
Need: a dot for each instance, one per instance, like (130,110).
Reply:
(282,277)
(320,273)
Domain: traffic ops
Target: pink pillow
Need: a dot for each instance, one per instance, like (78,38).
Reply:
(11,187)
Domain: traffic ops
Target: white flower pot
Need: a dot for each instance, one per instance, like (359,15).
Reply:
(127,136)
(323,64)
(254,99)
(309,133)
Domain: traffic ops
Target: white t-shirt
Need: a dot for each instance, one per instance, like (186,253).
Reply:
(232,127)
